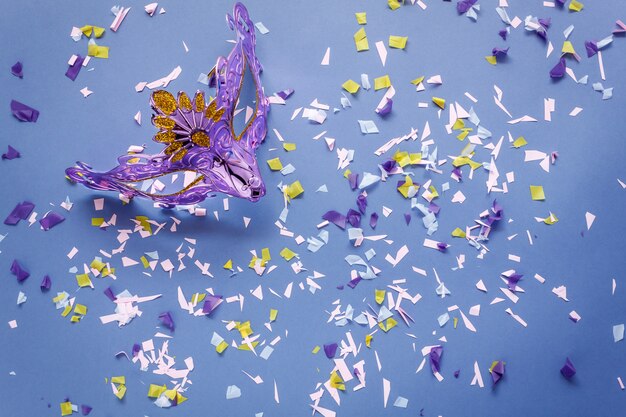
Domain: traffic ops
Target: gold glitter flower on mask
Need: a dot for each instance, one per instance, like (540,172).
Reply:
(182,123)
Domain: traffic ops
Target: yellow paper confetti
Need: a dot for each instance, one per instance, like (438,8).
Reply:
(464,160)
(244,328)
(398,42)
(519,142)
(245,346)
(294,190)
(351,86)
(418,80)
(275,164)
(380,296)
(273,315)
(228,264)
(315,350)
(119,380)
(576,6)
(97,51)
(441,103)
(83,280)
(108,271)
(388,324)
(458,233)
(66,408)
(120,386)
(464,133)
(361,18)
(97,264)
(368,340)
(360,40)
(287,254)
(551,219)
(121,391)
(536,192)
(408,187)
(382,82)
(143,222)
(80,309)
(289,146)
(404,158)
(88,30)
(155,391)
(221,347)
(197,298)
(491,59)
(393,4)
(336,381)
(568,48)
(97,221)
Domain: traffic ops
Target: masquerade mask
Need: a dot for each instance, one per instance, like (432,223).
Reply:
(199,137)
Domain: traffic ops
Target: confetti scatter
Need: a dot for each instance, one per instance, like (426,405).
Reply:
(382,246)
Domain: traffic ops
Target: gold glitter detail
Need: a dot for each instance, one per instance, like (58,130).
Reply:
(184,102)
(201,138)
(179,155)
(173,147)
(210,110)
(164,101)
(163,122)
(165,137)
(193,183)
(218,115)
(199,101)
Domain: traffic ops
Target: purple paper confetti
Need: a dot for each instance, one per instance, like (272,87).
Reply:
(20,212)
(46,284)
(559,69)
(464,5)
(74,69)
(24,113)
(336,218)
(167,320)
(568,370)
(210,303)
(497,372)
(386,108)
(19,271)
(435,358)
(373,220)
(17,70)
(11,153)
(109,293)
(50,220)
(330,350)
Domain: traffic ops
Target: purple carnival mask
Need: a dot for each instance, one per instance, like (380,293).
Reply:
(199,136)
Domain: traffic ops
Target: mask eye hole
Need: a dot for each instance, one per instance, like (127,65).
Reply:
(245,113)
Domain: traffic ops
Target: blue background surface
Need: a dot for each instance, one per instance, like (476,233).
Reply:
(54,359)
